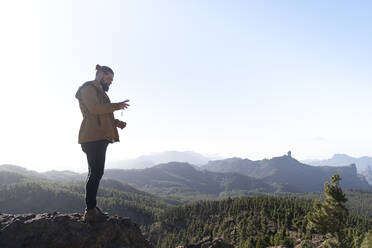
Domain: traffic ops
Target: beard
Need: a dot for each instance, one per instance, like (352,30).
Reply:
(105,87)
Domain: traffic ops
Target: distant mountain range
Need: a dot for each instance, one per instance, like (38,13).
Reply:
(150,160)
(218,178)
(363,164)
(285,169)
(57,176)
(150,197)
(183,179)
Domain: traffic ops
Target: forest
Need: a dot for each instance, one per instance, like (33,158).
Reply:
(264,220)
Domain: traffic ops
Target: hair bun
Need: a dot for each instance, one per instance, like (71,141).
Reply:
(98,67)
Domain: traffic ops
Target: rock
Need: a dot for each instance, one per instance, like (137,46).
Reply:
(55,230)
(209,243)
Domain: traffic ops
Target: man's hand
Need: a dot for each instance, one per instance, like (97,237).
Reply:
(124,105)
(121,124)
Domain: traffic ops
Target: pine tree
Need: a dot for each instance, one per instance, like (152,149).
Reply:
(367,242)
(329,217)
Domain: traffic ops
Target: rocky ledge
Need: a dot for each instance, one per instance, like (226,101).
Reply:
(56,230)
(208,242)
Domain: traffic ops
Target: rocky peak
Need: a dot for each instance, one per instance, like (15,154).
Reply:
(68,230)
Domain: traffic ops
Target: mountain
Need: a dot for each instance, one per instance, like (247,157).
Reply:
(57,176)
(8,177)
(20,171)
(29,196)
(368,174)
(147,161)
(180,180)
(177,178)
(258,221)
(363,164)
(217,179)
(285,169)
(64,176)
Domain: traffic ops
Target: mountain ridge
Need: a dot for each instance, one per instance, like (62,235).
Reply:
(150,160)
(341,159)
(363,164)
(278,174)
(285,169)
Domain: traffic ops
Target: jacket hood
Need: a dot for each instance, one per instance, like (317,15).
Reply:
(78,94)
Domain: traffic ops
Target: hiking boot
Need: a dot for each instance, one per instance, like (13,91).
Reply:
(93,215)
(101,212)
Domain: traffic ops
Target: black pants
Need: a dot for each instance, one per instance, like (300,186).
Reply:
(96,155)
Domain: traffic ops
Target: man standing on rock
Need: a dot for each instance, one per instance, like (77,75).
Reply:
(97,130)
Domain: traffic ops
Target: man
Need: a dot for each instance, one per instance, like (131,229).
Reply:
(97,130)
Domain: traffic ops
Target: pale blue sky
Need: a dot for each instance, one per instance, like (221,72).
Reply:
(234,78)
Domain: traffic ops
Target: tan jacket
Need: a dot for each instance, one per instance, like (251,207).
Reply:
(98,118)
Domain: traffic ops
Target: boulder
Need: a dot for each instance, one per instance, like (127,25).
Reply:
(56,230)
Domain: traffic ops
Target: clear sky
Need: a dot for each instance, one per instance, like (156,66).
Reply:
(252,79)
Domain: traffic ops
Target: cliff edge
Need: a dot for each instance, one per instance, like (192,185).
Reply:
(56,230)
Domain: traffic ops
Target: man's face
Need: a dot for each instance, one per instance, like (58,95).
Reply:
(107,80)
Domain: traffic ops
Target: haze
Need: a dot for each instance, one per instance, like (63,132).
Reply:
(232,78)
